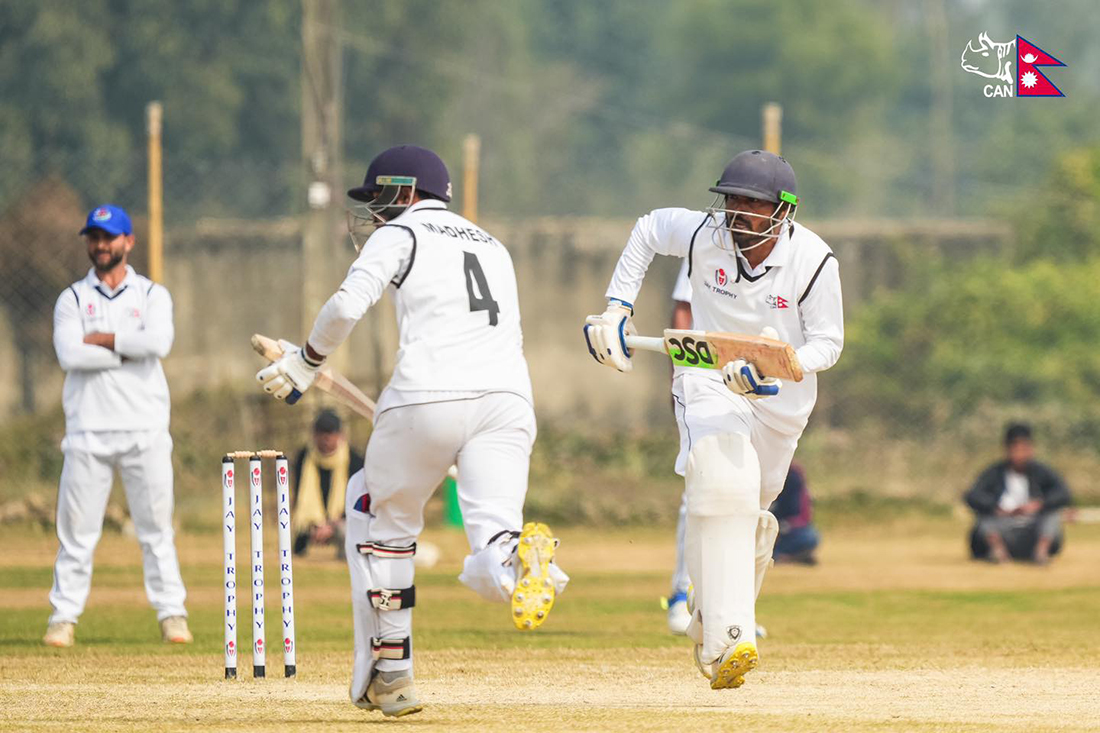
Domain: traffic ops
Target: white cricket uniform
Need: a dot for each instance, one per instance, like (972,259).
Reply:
(460,394)
(795,290)
(116,417)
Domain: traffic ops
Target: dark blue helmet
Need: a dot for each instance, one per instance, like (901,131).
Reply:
(405,165)
(758,174)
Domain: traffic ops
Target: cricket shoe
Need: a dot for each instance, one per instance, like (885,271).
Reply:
(393,693)
(174,630)
(679,615)
(60,634)
(729,670)
(535,592)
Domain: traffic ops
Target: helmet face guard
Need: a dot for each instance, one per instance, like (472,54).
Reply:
(783,212)
(364,217)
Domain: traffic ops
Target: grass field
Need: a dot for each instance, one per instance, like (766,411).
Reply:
(895,630)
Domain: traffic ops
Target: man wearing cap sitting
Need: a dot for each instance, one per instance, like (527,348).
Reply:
(111,329)
(321,474)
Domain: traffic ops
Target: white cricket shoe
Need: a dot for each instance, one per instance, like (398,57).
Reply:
(679,615)
(393,693)
(174,630)
(60,634)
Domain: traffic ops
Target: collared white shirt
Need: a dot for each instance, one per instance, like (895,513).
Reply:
(117,391)
(795,290)
(454,288)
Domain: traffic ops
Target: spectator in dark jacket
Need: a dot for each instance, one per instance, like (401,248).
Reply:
(321,473)
(797,537)
(1018,503)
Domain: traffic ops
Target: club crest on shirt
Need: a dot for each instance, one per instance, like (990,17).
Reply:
(776,301)
(720,277)
(90,310)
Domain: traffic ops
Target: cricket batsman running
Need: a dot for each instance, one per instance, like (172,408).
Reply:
(460,395)
(752,270)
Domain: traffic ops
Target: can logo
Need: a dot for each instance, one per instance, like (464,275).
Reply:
(720,276)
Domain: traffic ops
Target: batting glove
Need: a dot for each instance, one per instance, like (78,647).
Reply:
(606,335)
(742,378)
(289,377)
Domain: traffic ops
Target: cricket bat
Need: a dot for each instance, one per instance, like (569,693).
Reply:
(327,380)
(713,350)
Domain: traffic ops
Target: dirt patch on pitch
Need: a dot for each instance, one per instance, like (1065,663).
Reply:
(547,690)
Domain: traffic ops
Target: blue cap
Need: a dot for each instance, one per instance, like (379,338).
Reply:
(111,219)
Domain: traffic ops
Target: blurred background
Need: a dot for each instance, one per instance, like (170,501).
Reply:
(967,228)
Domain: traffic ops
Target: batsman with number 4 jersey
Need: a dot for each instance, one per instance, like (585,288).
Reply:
(752,270)
(460,395)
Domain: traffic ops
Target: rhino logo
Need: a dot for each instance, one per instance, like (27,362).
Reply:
(990,59)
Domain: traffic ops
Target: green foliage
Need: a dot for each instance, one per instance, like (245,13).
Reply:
(1065,223)
(583,108)
(984,332)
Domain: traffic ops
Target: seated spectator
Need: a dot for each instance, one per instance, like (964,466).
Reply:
(1018,505)
(797,537)
(321,473)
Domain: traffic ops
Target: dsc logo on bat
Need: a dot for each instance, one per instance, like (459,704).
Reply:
(690,352)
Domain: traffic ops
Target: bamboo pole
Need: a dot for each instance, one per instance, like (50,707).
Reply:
(772,118)
(154,116)
(471,154)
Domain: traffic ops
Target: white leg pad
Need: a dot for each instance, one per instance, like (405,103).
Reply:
(723,501)
(389,568)
(767,530)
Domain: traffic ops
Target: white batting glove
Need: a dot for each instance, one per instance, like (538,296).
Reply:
(606,335)
(742,378)
(289,377)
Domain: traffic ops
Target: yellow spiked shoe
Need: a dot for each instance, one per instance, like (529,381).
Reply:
(534,594)
(731,669)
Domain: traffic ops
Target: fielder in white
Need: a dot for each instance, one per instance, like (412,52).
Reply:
(460,395)
(111,329)
(752,270)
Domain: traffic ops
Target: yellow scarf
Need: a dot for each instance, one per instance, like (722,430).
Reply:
(309,508)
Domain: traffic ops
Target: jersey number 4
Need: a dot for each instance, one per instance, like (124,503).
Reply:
(483,302)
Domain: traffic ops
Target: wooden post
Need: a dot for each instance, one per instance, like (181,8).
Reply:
(324,242)
(471,154)
(153,117)
(773,127)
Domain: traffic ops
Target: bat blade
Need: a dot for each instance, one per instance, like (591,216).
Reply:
(714,349)
(327,380)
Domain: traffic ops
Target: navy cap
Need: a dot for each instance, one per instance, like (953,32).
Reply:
(402,162)
(758,174)
(111,219)
(327,422)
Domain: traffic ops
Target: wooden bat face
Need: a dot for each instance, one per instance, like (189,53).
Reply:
(713,350)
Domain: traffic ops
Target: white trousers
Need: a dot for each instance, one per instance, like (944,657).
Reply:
(86,478)
(489,438)
(704,407)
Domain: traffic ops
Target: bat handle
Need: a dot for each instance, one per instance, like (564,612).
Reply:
(293,397)
(646,343)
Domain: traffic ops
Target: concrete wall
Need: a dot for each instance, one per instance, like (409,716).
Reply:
(231,279)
